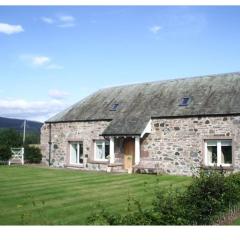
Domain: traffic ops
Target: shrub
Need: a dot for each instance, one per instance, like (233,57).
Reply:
(136,215)
(168,207)
(32,154)
(232,190)
(103,217)
(165,210)
(209,195)
(203,199)
(5,153)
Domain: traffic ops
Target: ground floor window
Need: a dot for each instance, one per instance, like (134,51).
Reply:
(218,152)
(76,152)
(101,150)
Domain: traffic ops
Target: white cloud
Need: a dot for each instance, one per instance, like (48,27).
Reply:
(33,110)
(155,29)
(67,18)
(63,21)
(47,20)
(10,29)
(40,60)
(57,94)
(66,21)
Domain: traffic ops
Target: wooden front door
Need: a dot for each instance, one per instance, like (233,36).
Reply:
(129,152)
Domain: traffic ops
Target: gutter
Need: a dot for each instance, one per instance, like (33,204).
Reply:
(86,120)
(121,134)
(197,115)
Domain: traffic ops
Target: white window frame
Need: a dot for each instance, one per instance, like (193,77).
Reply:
(78,152)
(219,153)
(97,142)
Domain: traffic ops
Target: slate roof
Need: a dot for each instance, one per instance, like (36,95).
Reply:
(138,103)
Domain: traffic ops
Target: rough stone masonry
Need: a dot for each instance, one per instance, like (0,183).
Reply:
(175,145)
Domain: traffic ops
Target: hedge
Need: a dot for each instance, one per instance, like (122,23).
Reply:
(32,154)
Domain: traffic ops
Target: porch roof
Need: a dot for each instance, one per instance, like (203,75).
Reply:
(127,125)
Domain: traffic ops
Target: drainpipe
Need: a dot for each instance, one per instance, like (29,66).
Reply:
(50,144)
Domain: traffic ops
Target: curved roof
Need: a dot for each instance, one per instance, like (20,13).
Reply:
(208,95)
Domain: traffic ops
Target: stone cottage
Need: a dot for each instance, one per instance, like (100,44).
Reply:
(171,126)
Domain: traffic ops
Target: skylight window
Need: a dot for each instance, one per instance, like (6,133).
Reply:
(114,107)
(184,101)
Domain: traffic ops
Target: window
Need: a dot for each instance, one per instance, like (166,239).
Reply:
(101,150)
(184,101)
(76,152)
(218,152)
(114,107)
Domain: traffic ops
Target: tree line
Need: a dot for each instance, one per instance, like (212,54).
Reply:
(10,138)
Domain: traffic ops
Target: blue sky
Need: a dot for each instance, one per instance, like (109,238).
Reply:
(51,57)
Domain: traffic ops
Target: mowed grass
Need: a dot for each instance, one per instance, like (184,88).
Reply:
(236,222)
(37,196)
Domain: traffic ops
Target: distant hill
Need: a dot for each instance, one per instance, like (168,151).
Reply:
(31,126)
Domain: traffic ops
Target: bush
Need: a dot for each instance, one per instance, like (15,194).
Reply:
(32,154)
(232,190)
(5,153)
(136,215)
(169,209)
(208,196)
(103,217)
(204,198)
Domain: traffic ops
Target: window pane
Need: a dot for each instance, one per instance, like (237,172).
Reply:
(212,154)
(107,149)
(80,153)
(73,153)
(99,151)
(212,143)
(184,101)
(114,107)
(226,155)
(226,142)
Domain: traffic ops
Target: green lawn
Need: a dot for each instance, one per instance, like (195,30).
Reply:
(236,222)
(34,195)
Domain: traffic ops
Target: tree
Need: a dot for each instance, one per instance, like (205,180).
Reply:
(10,138)
(32,138)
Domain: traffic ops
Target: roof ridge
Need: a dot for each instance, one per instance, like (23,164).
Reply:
(172,80)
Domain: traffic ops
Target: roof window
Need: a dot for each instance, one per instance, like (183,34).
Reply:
(184,101)
(114,107)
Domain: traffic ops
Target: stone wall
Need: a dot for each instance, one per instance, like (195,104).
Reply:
(62,133)
(175,146)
